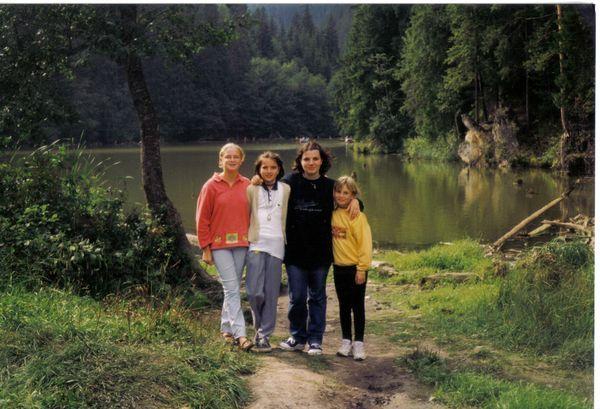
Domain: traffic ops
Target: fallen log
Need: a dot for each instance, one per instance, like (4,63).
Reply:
(431,280)
(572,226)
(498,243)
(538,230)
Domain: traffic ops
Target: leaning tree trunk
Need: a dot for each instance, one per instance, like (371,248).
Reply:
(152,179)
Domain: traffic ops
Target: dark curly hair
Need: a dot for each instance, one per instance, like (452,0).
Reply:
(272,156)
(326,156)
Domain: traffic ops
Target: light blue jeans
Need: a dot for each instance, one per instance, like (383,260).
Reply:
(230,265)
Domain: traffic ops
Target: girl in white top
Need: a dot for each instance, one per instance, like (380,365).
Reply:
(268,210)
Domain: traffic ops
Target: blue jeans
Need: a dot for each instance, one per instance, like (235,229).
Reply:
(307,285)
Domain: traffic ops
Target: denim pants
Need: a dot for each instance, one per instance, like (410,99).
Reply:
(263,280)
(230,264)
(307,286)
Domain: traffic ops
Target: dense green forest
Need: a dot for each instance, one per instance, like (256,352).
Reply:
(409,71)
(397,77)
(269,80)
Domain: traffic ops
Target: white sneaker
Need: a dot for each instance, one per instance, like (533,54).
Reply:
(358,350)
(315,349)
(345,348)
(291,344)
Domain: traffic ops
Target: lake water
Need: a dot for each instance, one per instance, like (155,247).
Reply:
(408,204)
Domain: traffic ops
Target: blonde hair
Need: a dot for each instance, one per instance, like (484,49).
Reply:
(230,145)
(349,182)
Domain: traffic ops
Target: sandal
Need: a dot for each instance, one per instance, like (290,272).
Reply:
(244,344)
(227,337)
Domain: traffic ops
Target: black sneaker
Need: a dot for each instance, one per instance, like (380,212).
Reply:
(315,349)
(262,345)
(291,344)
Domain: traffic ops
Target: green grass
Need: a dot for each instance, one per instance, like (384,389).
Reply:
(544,305)
(509,336)
(461,256)
(458,389)
(547,302)
(61,350)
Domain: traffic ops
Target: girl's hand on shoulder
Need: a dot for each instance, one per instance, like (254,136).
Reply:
(207,256)
(256,180)
(360,277)
(353,209)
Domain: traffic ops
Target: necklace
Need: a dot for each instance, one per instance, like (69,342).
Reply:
(270,204)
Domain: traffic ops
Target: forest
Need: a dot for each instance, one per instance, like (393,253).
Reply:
(263,80)
(396,77)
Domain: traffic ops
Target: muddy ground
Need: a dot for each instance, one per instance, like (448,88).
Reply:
(293,380)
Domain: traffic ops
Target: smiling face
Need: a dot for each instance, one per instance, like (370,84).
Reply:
(231,159)
(311,163)
(343,196)
(268,170)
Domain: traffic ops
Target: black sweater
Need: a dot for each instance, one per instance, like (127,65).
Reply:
(308,227)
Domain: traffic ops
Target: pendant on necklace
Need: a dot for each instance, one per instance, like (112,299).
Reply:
(269,217)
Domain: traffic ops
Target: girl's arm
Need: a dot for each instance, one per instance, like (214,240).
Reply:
(207,255)
(249,197)
(362,232)
(204,211)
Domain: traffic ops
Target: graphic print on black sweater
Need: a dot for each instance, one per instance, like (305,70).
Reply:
(308,229)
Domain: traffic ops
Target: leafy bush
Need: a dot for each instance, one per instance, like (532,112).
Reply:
(59,224)
(547,301)
(442,149)
(367,146)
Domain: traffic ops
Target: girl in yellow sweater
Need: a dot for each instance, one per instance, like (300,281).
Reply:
(352,251)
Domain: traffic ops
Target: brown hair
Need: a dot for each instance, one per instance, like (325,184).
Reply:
(272,156)
(326,157)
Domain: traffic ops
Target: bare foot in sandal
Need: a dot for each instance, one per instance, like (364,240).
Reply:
(244,344)
(227,337)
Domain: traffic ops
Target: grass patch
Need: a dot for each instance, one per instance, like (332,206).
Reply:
(61,350)
(544,305)
(458,389)
(461,256)
(534,325)
(547,302)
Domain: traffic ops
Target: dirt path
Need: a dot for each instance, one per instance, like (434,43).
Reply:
(293,380)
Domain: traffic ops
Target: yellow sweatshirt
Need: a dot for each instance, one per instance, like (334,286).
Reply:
(352,243)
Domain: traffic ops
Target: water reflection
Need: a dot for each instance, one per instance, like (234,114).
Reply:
(409,205)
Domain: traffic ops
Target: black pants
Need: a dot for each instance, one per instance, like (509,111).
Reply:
(351,297)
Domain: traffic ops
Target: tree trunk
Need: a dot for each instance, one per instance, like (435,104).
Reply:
(482,96)
(152,179)
(563,117)
(527,79)
(527,99)
(476,98)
